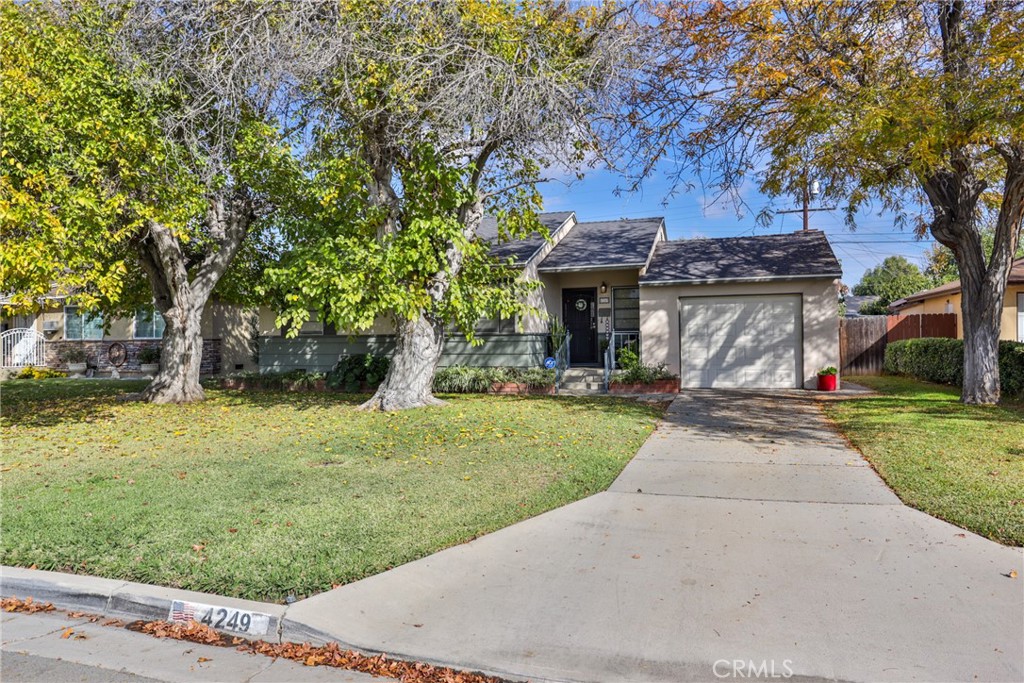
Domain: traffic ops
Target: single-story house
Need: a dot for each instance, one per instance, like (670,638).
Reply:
(756,311)
(947,299)
(229,335)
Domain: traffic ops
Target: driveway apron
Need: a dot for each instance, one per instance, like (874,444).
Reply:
(745,539)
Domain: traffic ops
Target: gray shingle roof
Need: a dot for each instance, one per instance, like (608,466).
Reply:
(520,250)
(796,255)
(606,244)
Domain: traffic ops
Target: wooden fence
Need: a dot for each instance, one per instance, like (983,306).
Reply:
(862,340)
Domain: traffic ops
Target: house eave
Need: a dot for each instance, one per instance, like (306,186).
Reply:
(584,269)
(744,280)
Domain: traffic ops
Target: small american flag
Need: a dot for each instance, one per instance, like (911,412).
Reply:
(182,611)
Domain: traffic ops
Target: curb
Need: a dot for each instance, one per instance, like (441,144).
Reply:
(119,599)
(141,601)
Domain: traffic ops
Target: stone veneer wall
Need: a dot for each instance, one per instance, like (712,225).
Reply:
(97,354)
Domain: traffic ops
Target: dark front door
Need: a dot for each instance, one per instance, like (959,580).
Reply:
(579,313)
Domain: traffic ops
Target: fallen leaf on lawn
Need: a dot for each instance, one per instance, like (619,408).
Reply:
(67,633)
(198,547)
(232,530)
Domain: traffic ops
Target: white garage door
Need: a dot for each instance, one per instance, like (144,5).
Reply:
(740,341)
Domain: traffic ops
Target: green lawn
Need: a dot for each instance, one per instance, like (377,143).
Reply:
(963,464)
(262,495)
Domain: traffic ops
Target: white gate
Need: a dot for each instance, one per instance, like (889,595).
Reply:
(22,347)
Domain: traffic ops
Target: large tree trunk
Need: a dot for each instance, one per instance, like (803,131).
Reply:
(410,378)
(981,308)
(181,301)
(180,357)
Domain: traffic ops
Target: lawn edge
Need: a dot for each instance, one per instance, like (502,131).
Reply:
(128,600)
(834,425)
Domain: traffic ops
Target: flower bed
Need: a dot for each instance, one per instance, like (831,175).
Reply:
(660,386)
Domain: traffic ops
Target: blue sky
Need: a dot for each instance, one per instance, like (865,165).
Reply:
(688,215)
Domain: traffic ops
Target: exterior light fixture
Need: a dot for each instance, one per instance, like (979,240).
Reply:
(604,288)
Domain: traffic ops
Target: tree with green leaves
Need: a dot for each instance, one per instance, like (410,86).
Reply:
(941,263)
(914,105)
(433,115)
(142,144)
(893,279)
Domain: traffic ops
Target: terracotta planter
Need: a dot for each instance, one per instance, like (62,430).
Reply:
(509,388)
(661,386)
(827,382)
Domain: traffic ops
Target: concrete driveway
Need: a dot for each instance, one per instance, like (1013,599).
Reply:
(744,539)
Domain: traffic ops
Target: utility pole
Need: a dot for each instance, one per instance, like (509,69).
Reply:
(810,191)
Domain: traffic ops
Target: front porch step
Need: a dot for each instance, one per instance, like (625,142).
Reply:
(582,382)
(590,387)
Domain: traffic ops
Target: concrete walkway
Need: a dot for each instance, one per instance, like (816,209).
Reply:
(745,537)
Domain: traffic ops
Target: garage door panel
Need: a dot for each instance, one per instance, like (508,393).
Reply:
(750,341)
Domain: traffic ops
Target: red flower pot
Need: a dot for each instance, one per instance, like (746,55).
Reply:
(827,382)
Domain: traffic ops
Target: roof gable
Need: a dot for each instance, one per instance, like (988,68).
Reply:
(600,245)
(764,257)
(523,249)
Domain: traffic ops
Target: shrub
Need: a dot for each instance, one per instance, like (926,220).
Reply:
(31,372)
(74,354)
(635,372)
(460,379)
(149,354)
(942,361)
(537,378)
(828,370)
(352,371)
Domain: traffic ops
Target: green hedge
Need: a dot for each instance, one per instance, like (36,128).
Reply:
(942,361)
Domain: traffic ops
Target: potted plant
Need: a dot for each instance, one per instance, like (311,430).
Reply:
(827,378)
(76,359)
(149,360)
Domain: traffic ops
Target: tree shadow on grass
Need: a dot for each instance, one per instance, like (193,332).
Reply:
(52,402)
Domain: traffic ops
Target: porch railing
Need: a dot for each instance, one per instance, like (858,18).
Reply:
(609,365)
(562,361)
(619,340)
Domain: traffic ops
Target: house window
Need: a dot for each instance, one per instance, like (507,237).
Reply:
(313,327)
(626,308)
(81,324)
(1020,316)
(148,323)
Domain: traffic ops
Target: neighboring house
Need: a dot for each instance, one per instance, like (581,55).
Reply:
(229,335)
(733,312)
(854,303)
(947,298)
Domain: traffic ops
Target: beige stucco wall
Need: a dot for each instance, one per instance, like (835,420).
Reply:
(952,302)
(554,283)
(659,319)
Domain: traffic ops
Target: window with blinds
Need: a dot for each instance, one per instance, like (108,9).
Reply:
(626,308)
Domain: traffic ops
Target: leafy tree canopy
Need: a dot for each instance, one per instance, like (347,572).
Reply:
(893,279)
